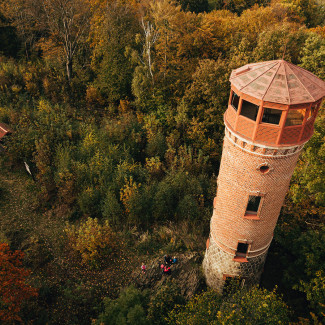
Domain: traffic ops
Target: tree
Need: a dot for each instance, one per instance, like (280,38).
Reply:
(14,289)
(22,15)
(202,309)
(92,241)
(308,184)
(163,302)
(281,40)
(251,307)
(68,22)
(315,291)
(313,55)
(113,34)
(311,11)
(194,5)
(129,309)
(9,43)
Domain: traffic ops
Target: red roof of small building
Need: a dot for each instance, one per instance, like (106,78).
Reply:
(4,129)
(278,82)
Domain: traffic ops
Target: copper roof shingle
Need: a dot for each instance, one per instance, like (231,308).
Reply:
(279,82)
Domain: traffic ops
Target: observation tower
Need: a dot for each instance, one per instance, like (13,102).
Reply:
(270,116)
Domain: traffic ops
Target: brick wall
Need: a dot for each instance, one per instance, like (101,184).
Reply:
(239,177)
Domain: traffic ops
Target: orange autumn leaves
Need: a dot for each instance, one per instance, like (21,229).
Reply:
(13,287)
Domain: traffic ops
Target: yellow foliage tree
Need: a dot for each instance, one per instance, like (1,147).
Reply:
(93,241)
(127,191)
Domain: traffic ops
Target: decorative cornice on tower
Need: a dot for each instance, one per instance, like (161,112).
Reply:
(259,149)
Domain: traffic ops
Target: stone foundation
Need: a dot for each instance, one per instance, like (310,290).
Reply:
(218,265)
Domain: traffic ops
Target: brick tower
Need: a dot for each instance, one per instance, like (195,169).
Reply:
(270,116)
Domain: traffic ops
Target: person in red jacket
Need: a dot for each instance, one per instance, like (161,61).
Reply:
(143,268)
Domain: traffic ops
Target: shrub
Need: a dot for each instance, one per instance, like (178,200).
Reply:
(128,309)
(92,241)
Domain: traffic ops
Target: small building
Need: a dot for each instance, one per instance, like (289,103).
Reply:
(4,130)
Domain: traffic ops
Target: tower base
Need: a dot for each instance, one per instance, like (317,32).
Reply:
(219,265)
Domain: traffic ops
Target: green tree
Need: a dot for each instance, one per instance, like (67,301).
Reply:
(313,55)
(308,183)
(113,41)
(163,302)
(129,309)
(194,5)
(251,307)
(202,309)
(315,292)
(281,40)
(112,210)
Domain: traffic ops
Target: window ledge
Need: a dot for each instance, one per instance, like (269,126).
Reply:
(240,259)
(276,126)
(251,217)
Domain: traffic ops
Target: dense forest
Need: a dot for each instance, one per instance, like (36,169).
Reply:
(117,108)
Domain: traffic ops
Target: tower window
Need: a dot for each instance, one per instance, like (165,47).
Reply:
(271,115)
(241,252)
(235,101)
(312,111)
(253,204)
(242,249)
(295,117)
(249,110)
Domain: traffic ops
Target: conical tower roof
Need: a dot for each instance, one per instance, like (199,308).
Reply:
(278,82)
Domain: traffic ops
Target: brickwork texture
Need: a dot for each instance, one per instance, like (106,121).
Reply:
(239,177)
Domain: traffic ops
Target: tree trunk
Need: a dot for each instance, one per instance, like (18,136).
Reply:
(69,69)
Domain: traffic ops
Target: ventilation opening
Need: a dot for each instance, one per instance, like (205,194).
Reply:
(264,169)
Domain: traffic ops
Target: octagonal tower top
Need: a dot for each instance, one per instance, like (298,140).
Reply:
(279,82)
(274,103)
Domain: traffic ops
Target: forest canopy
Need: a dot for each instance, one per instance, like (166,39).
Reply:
(117,108)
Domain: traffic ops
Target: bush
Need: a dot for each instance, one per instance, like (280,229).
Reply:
(128,309)
(92,241)
(163,302)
